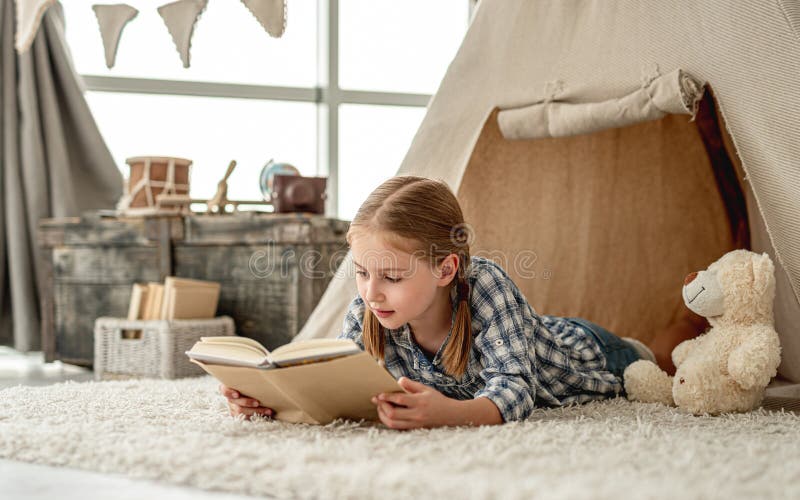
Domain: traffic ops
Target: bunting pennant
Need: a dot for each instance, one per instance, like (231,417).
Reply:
(111,20)
(180,18)
(271,14)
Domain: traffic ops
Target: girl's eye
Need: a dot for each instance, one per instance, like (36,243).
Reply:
(361,273)
(392,280)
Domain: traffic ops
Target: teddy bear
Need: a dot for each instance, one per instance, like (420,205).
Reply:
(727,368)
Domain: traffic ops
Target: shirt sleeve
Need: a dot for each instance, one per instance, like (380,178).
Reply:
(352,328)
(502,347)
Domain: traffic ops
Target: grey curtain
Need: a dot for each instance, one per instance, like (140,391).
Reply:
(53,163)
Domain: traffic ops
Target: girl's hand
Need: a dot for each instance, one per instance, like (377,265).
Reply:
(239,404)
(420,406)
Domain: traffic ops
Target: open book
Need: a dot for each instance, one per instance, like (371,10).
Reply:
(243,351)
(312,381)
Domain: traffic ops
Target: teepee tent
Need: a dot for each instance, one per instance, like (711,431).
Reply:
(602,150)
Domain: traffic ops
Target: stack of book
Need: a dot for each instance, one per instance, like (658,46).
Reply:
(176,298)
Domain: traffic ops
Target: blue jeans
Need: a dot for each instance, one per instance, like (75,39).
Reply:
(619,354)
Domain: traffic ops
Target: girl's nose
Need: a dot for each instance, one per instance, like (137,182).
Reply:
(374,294)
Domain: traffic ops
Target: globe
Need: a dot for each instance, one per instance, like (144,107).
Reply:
(270,170)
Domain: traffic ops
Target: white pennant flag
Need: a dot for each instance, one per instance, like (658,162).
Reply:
(271,14)
(112,19)
(29,17)
(180,18)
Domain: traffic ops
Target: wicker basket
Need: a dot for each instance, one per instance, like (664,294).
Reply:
(158,352)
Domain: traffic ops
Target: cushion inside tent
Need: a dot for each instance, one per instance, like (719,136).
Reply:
(606,225)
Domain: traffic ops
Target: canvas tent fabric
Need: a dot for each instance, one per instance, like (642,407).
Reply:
(520,53)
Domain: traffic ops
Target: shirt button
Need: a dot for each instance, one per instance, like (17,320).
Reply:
(498,342)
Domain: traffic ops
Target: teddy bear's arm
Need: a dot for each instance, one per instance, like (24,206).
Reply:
(682,351)
(755,362)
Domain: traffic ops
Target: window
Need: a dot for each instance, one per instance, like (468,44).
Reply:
(398,45)
(368,155)
(210,131)
(250,97)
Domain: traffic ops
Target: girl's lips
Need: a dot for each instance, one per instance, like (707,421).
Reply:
(382,314)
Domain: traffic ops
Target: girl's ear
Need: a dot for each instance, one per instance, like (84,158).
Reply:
(448,269)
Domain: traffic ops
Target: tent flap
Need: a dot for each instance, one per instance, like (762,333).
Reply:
(673,93)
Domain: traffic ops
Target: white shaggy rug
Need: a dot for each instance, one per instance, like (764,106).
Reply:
(179,432)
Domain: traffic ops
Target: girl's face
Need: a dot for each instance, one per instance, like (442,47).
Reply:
(397,286)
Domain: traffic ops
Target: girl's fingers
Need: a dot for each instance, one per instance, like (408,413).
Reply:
(401,418)
(411,386)
(249,412)
(228,392)
(397,398)
(396,424)
(258,411)
(385,420)
(234,397)
(242,405)
(245,402)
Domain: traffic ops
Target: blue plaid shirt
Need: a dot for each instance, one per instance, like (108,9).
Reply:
(519,359)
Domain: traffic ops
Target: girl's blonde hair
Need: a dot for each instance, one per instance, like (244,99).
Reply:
(423,217)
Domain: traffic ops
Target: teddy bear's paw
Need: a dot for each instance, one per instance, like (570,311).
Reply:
(647,383)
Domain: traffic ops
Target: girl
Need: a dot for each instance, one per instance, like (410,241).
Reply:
(466,346)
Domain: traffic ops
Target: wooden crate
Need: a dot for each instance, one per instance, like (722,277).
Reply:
(273,269)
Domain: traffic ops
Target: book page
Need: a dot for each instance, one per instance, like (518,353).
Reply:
(311,343)
(228,353)
(311,350)
(235,339)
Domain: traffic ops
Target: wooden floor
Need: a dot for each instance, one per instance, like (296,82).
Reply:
(775,403)
(30,369)
(24,481)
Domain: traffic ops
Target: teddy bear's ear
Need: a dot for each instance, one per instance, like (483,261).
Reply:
(763,272)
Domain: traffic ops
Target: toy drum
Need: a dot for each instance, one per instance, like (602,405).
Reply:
(151,176)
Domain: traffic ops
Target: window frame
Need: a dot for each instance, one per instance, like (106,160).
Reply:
(327,94)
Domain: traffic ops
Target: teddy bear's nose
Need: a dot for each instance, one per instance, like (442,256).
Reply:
(689,278)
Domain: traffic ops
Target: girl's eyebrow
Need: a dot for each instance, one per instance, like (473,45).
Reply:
(385,269)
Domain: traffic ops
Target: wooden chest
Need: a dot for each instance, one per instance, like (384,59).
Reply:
(273,269)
